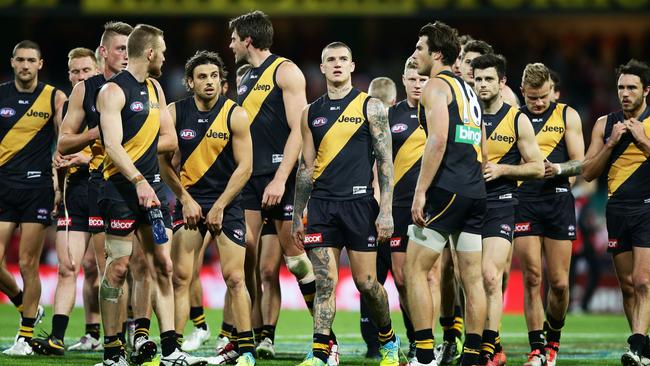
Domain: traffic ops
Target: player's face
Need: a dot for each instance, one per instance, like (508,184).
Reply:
(206,81)
(537,99)
(158,58)
(456,66)
(631,93)
(26,63)
(114,54)
(239,47)
(422,57)
(466,67)
(337,65)
(81,68)
(413,83)
(487,84)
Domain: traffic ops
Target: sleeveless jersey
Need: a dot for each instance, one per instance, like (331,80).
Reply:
(408,138)
(628,170)
(262,99)
(344,153)
(460,169)
(92,86)
(502,134)
(140,126)
(549,130)
(78,173)
(26,136)
(205,144)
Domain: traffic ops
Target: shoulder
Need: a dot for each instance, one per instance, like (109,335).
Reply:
(289,74)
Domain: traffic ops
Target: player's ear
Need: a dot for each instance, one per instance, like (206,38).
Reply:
(322,69)
(646,91)
(40,63)
(190,83)
(352,66)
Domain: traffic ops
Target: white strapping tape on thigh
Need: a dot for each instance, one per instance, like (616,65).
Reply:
(427,237)
(468,242)
(117,248)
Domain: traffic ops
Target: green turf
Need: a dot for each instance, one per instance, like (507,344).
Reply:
(587,340)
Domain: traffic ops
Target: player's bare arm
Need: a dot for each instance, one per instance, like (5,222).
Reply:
(70,141)
(599,152)
(575,147)
(382,145)
(435,97)
(243,154)
(292,82)
(167,141)
(304,182)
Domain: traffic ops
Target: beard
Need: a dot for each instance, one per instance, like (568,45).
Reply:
(155,70)
(634,105)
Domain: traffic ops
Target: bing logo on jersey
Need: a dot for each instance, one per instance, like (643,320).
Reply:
(137,106)
(320,121)
(7,112)
(468,135)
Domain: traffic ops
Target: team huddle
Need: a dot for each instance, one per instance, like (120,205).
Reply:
(454,180)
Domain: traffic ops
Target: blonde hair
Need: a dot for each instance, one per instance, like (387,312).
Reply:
(142,37)
(535,75)
(383,89)
(112,29)
(81,52)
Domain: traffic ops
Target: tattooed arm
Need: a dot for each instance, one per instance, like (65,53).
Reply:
(381,142)
(304,182)
(575,145)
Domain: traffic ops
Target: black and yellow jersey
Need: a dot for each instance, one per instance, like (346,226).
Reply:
(549,127)
(344,153)
(140,128)
(460,169)
(92,86)
(205,144)
(408,138)
(78,173)
(26,136)
(628,170)
(502,133)
(261,97)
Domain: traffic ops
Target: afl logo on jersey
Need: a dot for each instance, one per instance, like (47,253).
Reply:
(137,106)
(320,121)
(187,134)
(7,112)
(242,89)
(400,127)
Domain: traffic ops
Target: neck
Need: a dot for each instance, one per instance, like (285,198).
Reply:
(139,70)
(338,91)
(494,105)
(637,112)
(437,68)
(257,57)
(26,87)
(205,105)
(412,102)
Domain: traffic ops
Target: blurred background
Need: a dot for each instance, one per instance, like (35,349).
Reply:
(583,40)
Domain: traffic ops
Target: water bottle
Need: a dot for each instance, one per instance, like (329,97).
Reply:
(157,225)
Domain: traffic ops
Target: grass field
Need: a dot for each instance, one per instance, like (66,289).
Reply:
(587,340)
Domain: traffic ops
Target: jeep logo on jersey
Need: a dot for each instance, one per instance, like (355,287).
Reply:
(137,106)
(553,129)
(7,112)
(468,135)
(320,121)
(33,113)
(400,127)
(356,120)
(313,238)
(187,134)
(504,138)
(262,87)
(216,134)
(242,89)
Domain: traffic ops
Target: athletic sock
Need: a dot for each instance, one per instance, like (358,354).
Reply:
(471,349)
(333,337)
(459,323)
(385,334)
(553,328)
(268,331)
(27,328)
(59,326)
(179,340)
(168,342)
(424,345)
(226,330)
(488,345)
(308,291)
(122,334)
(258,334)
(537,341)
(18,302)
(234,339)
(246,342)
(637,343)
(449,334)
(497,344)
(142,326)
(93,329)
(198,317)
(410,332)
(112,347)
(321,347)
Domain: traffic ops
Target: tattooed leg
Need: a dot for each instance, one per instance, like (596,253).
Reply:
(364,272)
(325,262)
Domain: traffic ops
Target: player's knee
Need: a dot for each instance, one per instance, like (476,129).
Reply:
(67,271)
(90,268)
(268,274)
(559,285)
(641,283)
(366,284)
(181,278)
(28,263)
(491,281)
(532,279)
(118,269)
(398,278)
(234,280)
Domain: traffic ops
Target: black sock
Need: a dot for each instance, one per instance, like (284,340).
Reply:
(646,348)
(553,328)
(93,330)
(424,345)
(17,301)
(226,330)
(488,343)
(321,346)
(27,328)
(637,343)
(459,322)
(537,341)
(234,339)
(112,347)
(246,342)
(179,340)
(268,331)
(449,334)
(410,332)
(198,317)
(168,342)
(258,334)
(308,291)
(385,334)
(142,326)
(59,326)
(497,344)
(333,337)
(471,349)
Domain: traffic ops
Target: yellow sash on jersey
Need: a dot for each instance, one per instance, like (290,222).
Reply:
(261,90)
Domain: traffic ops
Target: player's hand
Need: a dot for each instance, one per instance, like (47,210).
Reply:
(550,169)
(77,159)
(192,213)
(59,160)
(273,193)
(298,233)
(214,219)
(492,171)
(618,130)
(417,209)
(57,202)
(147,197)
(636,129)
(384,225)
(93,133)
